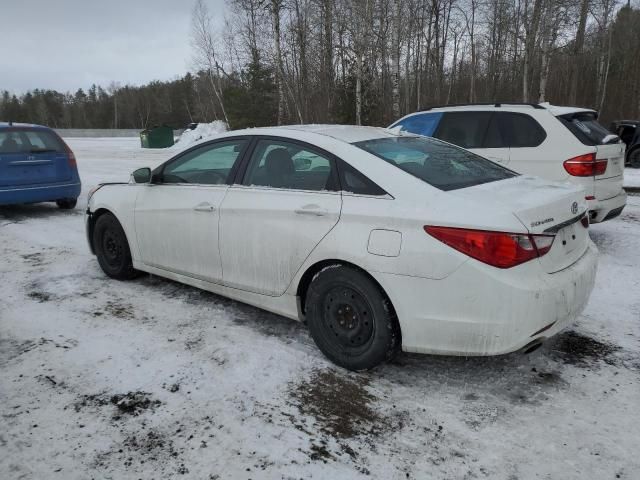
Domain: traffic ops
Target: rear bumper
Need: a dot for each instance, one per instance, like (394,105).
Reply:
(481,310)
(39,193)
(601,210)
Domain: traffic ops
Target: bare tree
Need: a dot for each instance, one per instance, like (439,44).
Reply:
(395,51)
(205,50)
(531,33)
(556,15)
(578,45)
(274,9)
(602,18)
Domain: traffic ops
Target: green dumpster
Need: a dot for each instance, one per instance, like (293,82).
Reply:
(157,137)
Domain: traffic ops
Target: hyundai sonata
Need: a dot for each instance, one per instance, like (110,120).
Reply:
(379,241)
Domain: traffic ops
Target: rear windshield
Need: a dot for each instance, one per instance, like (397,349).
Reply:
(585,127)
(29,141)
(439,164)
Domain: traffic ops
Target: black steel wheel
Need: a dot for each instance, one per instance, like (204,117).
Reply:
(350,318)
(346,317)
(112,248)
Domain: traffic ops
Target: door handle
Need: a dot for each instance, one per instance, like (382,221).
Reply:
(204,207)
(314,210)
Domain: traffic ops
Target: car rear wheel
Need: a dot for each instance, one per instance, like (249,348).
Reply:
(634,158)
(67,203)
(112,248)
(351,319)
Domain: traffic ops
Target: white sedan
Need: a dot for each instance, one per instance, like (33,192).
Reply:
(380,241)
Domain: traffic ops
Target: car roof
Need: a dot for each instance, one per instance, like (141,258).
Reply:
(484,106)
(344,133)
(554,110)
(4,125)
(557,110)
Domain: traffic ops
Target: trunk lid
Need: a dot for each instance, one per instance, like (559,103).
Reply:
(33,169)
(543,207)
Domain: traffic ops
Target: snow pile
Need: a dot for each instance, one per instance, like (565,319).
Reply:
(203,131)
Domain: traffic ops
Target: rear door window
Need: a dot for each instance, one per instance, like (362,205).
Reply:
(443,166)
(353,181)
(420,124)
(465,129)
(585,127)
(495,136)
(281,164)
(29,141)
(520,130)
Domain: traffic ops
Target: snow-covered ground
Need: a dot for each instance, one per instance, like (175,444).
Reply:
(152,379)
(632,177)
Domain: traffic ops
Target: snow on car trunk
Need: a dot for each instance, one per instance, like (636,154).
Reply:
(544,208)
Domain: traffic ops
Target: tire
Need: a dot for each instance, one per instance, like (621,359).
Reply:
(351,319)
(112,248)
(67,203)
(634,158)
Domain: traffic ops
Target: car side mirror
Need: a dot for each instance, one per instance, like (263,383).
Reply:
(142,175)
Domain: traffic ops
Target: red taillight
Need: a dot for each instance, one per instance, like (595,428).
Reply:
(71,158)
(601,167)
(585,221)
(585,166)
(499,249)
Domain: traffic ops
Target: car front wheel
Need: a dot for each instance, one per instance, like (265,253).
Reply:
(350,318)
(112,249)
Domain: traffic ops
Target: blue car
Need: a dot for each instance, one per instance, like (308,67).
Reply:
(36,165)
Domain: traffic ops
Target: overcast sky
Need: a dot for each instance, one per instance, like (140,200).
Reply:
(70,44)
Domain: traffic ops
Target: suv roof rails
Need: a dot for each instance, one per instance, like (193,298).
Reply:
(494,104)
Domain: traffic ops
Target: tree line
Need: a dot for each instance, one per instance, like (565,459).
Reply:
(371,61)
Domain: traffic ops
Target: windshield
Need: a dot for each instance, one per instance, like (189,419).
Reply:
(439,164)
(585,127)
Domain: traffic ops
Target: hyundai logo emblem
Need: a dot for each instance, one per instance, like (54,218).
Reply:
(574,207)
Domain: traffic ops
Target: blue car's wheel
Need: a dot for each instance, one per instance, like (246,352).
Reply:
(67,203)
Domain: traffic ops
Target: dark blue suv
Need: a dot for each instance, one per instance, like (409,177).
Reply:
(36,165)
